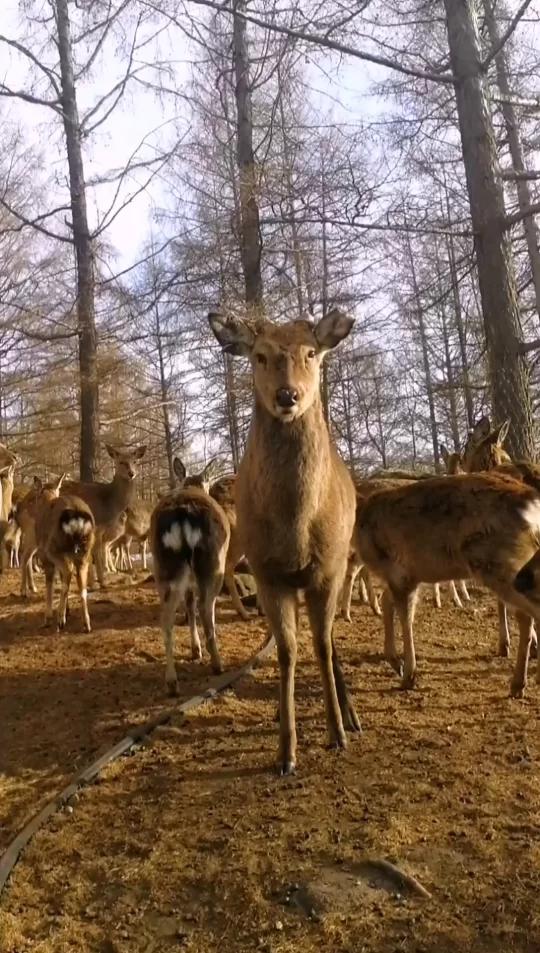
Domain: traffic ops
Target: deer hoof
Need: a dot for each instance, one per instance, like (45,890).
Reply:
(504,650)
(534,650)
(217,667)
(396,664)
(407,682)
(351,721)
(517,690)
(286,769)
(172,688)
(346,616)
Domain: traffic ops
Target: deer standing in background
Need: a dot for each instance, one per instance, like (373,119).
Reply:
(454,465)
(223,492)
(107,500)
(295,503)
(189,538)
(64,536)
(484,526)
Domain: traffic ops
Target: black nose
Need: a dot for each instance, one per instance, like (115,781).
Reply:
(286,396)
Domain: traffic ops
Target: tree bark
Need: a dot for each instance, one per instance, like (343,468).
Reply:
(88,369)
(250,240)
(509,379)
(164,391)
(516,151)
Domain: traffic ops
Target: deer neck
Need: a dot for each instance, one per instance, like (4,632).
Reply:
(122,491)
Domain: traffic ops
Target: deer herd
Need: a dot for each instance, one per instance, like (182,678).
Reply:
(303,524)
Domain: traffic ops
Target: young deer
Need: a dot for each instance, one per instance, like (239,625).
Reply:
(295,502)
(64,536)
(484,526)
(137,527)
(107,500)
(189,537)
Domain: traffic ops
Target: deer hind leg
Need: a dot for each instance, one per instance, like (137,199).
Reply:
(437,595)
(280,609)
(191,614)
(208,592)
(504,633)
(49,583)
(65,578)
(144,552)
(82,585)
(463,590)
(170,596)
(405,602)
(99,560)
(351,720)
(353,568)
(27,572)
(365,576)
(455,595)
(362,588)
(233,592)
(519,678)
(390,649)
(321,607)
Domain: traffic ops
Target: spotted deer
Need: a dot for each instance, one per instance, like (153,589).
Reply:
(189,538)
(295,502)
(107,500)
(484,526)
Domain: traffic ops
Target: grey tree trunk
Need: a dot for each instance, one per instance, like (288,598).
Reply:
(86,324)
(516,151)
(509,378)
(164,392)
(250,239)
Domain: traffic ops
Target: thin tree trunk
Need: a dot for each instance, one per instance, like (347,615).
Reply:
(448,363)
(86,324)
(380,427)
(509,379)
(164,390)
(425,357)
(324,290)
(250,240)
(516,151)
(287,169)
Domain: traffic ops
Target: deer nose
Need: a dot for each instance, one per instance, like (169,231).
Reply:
(286,396)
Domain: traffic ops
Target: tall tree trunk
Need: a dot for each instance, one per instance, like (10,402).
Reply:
(448,363)
(425,356)
(86,323)
(509,379)
(164,392)
(516,150)
(324,289)
(288,173)
(250,240)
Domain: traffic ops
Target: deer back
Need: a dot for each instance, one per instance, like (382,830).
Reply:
(188,529)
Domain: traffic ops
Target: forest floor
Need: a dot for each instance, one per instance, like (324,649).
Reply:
(194,844)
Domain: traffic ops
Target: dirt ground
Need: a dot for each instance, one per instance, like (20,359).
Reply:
(194,844)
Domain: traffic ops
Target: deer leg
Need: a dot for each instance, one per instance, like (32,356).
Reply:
(280,609)
(519,679)
(144,551)
(82,585)
(321,607)
(464,591)
(49,582)
(364,599)
(351,720)
(170,596)
(437,595)
(390,648)
(504,634)
(534,642)
(346,593)
(233,592)
(207,605)
(455,595)
(99,560)
(27,572)
(405,602)
(372,595)
(191,613)
(65,577)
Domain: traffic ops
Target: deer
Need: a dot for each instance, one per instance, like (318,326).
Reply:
(108,500)
(454,464)
(189,538)
(64,536)
(295,503)
(223,491)
(484,526)
(137,527)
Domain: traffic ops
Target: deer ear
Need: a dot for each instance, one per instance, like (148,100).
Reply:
(111,451)
(333,328)
(482,428)
(235,336)
(210,470)
(139,453)
(179,469)
(59,483)
(501,433)
(444,452)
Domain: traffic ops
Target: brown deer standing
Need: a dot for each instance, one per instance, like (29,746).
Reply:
(189,538)
(64,535)
(223,492)
(484,526)
(295,503)
(107,500)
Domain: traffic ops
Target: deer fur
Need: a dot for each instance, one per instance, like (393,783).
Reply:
(137,527)
(108,500)
(295,502)
(189,537)
(484,526)
(454,465)
(223,492)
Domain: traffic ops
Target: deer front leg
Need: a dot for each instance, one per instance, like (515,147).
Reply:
(437,595)
(49,582)
(372,595)
(65,577)
(82,585)
(280,609)
(455,595)
(519,680)
(209,590)
(321,607)
(351,720)
(233,592)
(170,596)
(390,649)
(353,569)
(504,634)
(464,591)
(405,602)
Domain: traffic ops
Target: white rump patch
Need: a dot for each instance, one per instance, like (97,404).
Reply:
(77,525)
(192,534)
(173,539)
(531,514)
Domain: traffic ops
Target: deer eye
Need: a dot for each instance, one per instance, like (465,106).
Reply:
(311,353)
(261,359)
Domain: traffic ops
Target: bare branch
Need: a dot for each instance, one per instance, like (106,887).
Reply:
(507,34)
